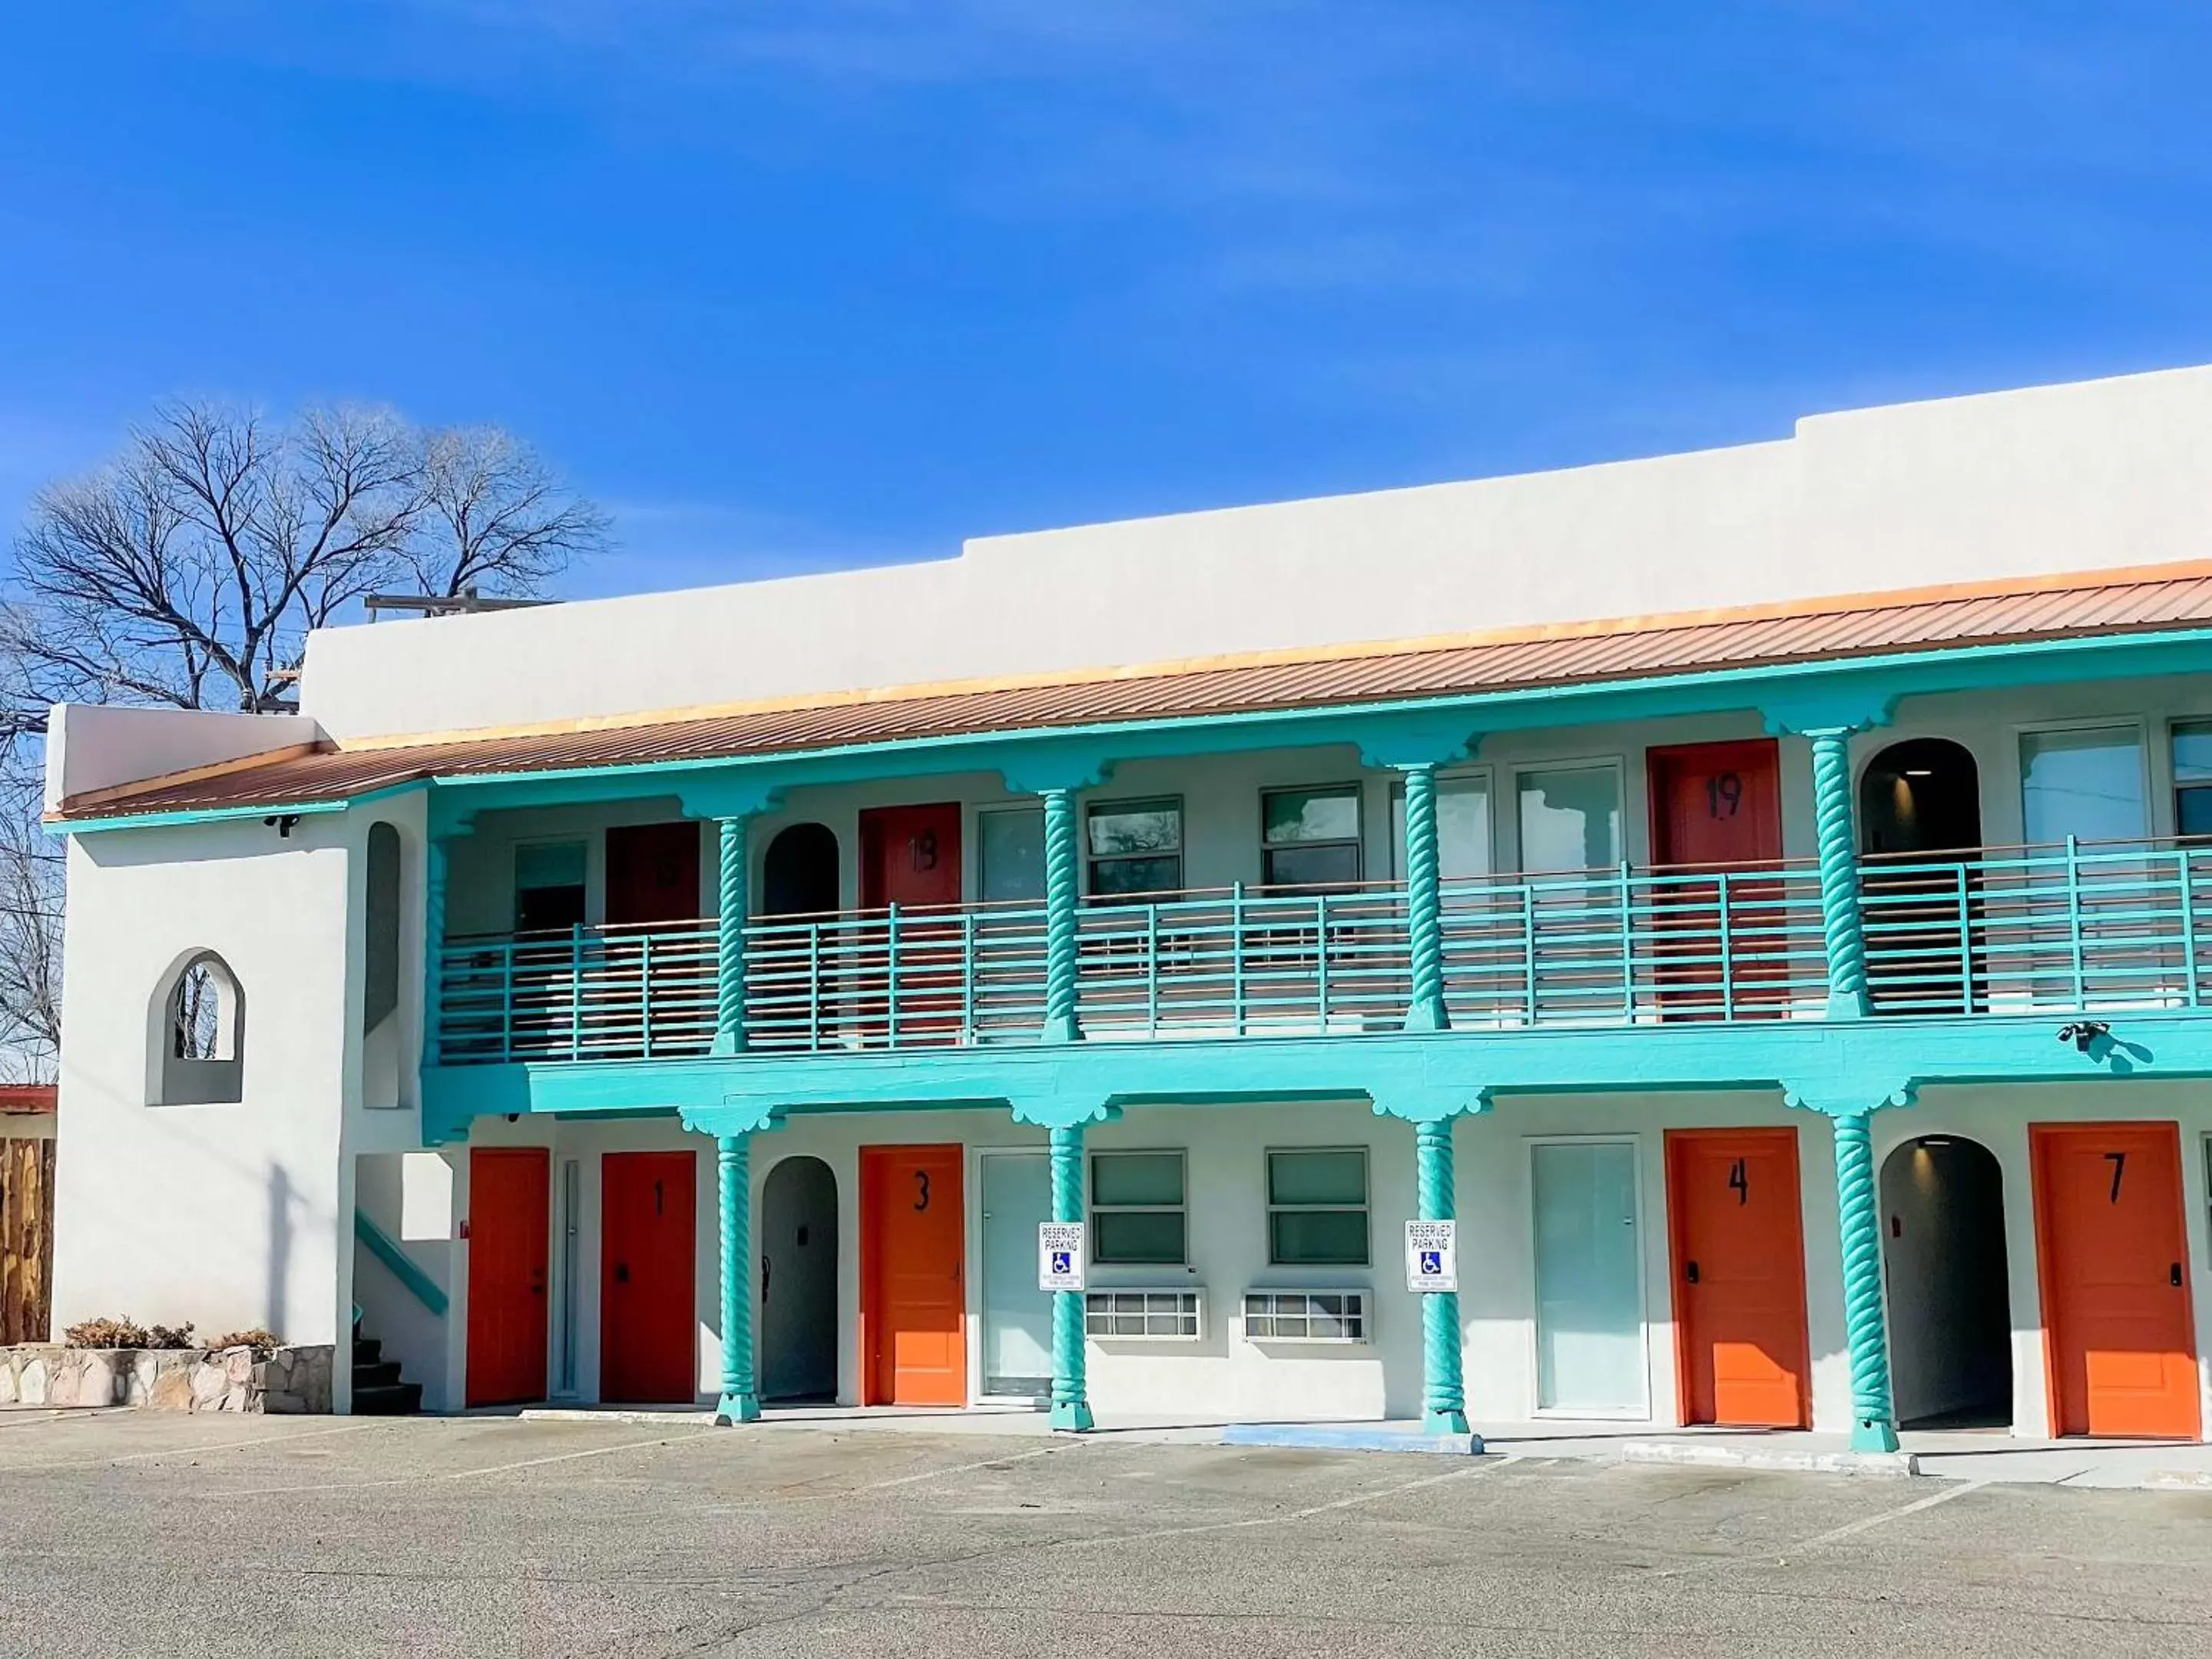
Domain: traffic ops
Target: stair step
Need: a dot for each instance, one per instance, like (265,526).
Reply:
(368,1350)
(380,1375)
(388,1400)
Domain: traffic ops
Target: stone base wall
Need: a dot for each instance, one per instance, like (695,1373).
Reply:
(168,1379)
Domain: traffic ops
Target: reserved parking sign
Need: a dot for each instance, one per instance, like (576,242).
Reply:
(1431,1256)
(1060,1255)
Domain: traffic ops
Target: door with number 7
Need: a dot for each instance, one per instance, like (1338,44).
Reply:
(1739,1267)
(2113,1261)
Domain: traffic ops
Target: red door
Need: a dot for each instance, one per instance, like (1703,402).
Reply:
(653,873)
(1714,805)
(910,857)
(510,1195)
(649,1286)
(2112,1260)
(1739,1260)
(914,1337)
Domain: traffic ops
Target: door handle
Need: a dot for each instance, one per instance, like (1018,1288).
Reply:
(622,1273)
(2173,1275)
(1690,1272)
(766,1268)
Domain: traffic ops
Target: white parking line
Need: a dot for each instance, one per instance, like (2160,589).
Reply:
(1853,1528)
(208,1450)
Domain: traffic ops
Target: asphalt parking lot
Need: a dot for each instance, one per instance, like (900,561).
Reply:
(132,1532)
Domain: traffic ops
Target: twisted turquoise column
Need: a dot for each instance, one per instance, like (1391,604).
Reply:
(730,942)
(434,948)
(1443,1393)
(1062,899)
(1070,1397)
(1837,838)
(740,1402)
(1424,936)
(1874,1418)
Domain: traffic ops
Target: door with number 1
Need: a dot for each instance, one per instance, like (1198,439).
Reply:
(914,1293)
(1739,1260)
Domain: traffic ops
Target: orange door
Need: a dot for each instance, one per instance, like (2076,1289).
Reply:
(648,1284)
(1714,805)
(510,1195)
(910,857)
(2113,1258)
(653,873)
(913,1297)
(1739,1260)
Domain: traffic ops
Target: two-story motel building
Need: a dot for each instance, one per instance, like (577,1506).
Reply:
(1760,892)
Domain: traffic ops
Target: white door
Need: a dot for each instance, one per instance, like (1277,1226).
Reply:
(1017,1315)
(1590,1297)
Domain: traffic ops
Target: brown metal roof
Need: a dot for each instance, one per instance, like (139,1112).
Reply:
(27,1099)
(2034,609)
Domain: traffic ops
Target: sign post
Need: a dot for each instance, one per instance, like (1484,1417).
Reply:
(1060,1255)
(1432,1256)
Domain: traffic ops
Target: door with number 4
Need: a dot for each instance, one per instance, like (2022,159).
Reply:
(914,1295)
(1739,1260)
(2113,1258)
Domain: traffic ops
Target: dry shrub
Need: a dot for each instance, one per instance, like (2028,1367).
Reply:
(127,1333)
(264,1343)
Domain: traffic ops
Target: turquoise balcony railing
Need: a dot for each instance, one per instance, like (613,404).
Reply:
(2037,930)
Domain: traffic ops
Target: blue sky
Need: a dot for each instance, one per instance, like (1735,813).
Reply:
(793,286)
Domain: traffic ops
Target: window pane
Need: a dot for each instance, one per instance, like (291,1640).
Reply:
(1462,828)
(2087,784)
(1112,877)
(1145,826)
(2192,752)
(2192,811)
(1294,815)
(1317,1238)
(1571,820)
(1136,1178)
(1317,1177)
(1312,866)
(1012,849)
(556,864)
(1138,1238)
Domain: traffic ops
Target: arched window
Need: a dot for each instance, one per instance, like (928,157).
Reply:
(380,947)
(203,1034)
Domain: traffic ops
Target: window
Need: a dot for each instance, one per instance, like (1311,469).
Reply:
(200,1022)
(1136,847)
(1010,853)
(1310,837)
(1155,1313)
(1305,1316)
(2086,782)
(2193,778)
(1317,1208)
(1137,1217)
(548,886)
(1462,827)
(381,946)
(1570,818)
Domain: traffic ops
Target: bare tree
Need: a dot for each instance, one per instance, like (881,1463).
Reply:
(494,518)
(30,949)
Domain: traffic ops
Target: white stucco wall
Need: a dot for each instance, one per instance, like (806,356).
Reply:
(94,746)
(2100,475)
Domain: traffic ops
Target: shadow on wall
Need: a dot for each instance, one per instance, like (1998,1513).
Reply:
(280,1248)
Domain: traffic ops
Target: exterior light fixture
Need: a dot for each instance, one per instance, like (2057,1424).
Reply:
(2083,1032)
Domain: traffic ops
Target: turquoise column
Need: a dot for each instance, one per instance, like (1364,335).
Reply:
(1837,837)
(730,941)
(1424,904)
(1070,1398)
(740,1402)
(1061,900)
(1874,1417)
(1443,1393)
(433,949)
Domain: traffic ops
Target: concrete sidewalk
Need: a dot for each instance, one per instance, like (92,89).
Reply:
(1953,1455)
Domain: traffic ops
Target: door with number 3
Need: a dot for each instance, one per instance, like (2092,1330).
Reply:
(1739,1260)
(2112,1257)
(913,1294)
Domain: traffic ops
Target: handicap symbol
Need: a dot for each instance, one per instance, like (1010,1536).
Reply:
(1060,1262)
(1432,1261)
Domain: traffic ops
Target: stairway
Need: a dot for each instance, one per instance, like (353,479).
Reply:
(377,1388)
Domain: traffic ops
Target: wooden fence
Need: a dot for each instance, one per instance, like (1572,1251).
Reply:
(26,1239)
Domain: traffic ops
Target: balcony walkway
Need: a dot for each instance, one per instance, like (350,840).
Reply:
(2081,928)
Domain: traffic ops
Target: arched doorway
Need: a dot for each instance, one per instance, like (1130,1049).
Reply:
(798,1281)
(1920,816)
(799,878)
(1950,1306)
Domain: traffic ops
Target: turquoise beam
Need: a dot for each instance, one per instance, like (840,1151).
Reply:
(730,941)
(1062,897)
(740,1400)
(1443,1391)
(434,948)
(1836,837)
(1874,1418)
(1424,903)
(1070,1397)
(402,1267)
